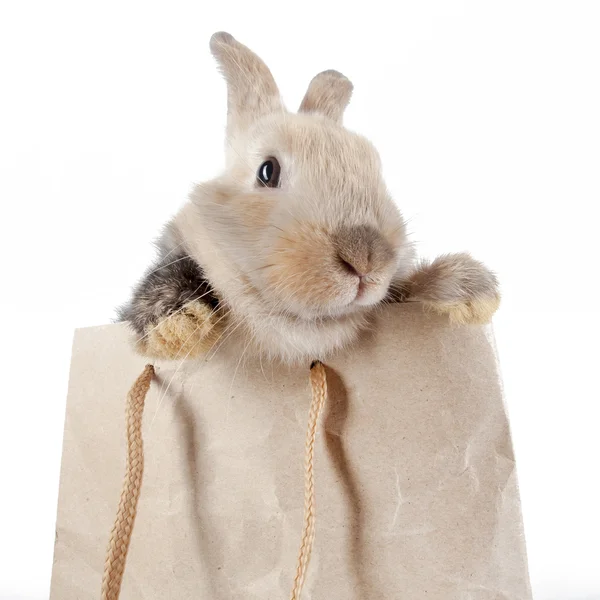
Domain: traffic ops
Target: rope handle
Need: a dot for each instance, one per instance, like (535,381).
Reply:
(120,536)
(318,381)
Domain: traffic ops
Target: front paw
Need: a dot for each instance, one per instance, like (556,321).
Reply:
(459,286)
(475,311)
(187,333)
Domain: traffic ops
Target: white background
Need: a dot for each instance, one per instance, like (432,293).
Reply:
(487,115)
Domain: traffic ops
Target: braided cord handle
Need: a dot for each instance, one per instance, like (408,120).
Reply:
(318,381)
(130,493)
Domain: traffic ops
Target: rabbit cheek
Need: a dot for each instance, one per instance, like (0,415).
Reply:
(303,274)
(255,211)
(246,224)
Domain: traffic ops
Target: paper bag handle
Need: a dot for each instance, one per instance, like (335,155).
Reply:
(120,536)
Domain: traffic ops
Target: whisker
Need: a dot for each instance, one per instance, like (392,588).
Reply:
(176,311)
(233,380)
(210,357)
(170,251)
(162,397)
(167,265)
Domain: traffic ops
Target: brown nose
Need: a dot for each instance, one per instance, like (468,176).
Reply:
(362,249)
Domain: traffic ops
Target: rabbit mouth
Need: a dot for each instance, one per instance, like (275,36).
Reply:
(362,300)
(360,290)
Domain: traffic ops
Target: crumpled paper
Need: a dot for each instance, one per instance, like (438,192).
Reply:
(415,475)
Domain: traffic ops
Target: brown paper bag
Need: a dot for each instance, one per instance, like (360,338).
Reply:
(415,476)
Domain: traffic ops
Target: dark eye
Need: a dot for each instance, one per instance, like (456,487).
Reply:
(268,173)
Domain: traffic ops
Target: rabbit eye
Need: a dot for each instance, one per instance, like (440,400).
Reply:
(268,173)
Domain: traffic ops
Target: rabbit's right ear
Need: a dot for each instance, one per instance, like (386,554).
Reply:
(251,89)
(328,94)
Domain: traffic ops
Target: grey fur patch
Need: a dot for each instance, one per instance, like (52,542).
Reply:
(174,280)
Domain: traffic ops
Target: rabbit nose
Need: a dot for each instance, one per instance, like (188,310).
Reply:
(350,267)
(361,249)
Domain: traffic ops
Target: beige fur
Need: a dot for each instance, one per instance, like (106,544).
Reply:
(328,94)
(300,267)
(474,312)
(456,285)
(251,89)
(186,334)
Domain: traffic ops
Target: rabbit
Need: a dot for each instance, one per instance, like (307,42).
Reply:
(297,242)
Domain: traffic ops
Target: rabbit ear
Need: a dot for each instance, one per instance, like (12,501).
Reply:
(328,93)
(251,89)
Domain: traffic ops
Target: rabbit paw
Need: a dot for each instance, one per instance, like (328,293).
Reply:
(475,311)
(459,286)
(187,333)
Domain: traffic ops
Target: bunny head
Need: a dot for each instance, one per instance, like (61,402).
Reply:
(299,234)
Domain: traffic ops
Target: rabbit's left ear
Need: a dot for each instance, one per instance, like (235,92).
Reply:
(328,94)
